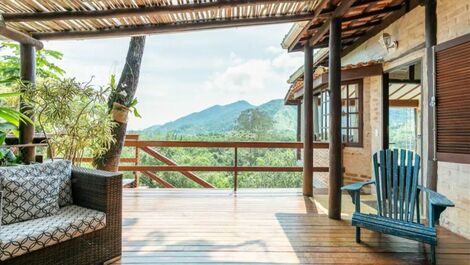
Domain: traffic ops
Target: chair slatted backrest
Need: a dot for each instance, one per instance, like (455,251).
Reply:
(396,177)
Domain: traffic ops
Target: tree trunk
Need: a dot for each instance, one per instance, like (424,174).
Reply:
(123,94)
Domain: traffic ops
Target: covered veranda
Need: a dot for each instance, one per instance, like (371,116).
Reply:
(251,226)
(260,226)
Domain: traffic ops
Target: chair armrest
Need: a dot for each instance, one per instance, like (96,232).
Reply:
(97,189)
(357,186)
(437,199)
(354,191)
(101,191)
(437,204)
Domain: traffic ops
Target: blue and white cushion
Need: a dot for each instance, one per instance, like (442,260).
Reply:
(70,222)
(26,198)
(62,168)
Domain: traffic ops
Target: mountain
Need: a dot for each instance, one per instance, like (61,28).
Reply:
(214,119)
(222,118)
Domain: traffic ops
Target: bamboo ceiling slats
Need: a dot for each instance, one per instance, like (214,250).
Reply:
(42,18)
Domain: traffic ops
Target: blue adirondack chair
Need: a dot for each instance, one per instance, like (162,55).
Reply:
(398,193)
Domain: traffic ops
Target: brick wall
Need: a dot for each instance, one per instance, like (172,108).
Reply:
(454,178)
(453,21)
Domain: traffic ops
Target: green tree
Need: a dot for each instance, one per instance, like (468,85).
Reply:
(10,64)
(254,123)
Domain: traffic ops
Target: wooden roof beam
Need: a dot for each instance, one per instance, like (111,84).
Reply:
(322,5)
(18,36)
(168,28)
(401,9)
(339,12)
(130,12)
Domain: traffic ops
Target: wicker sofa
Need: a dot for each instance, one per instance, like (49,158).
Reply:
(95,192)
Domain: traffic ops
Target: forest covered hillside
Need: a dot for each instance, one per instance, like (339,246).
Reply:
(224,118)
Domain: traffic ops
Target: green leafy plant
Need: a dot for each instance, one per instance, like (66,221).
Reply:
(74,114)
(129,105)
(10,64)
(9,122)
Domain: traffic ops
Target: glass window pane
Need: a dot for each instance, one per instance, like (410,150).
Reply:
(344,135)
(344,106)
(353,90)
(344,121)
(344,91)
(354,105)
(354,135)
(354,120)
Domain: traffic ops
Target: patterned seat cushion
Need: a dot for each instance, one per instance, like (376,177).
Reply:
(62,168)
(27,198)
(70,222)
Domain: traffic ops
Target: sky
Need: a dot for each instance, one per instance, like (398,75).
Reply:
(187,72)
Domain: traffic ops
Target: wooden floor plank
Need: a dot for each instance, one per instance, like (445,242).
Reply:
(275,226)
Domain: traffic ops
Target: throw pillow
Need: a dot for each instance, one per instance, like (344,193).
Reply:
(26,198)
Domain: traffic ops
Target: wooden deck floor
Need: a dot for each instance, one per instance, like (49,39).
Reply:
(258,227)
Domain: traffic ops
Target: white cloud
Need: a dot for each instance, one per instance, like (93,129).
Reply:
(188,72)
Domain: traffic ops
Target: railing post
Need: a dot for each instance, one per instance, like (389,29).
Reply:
(235,170)
(136,173)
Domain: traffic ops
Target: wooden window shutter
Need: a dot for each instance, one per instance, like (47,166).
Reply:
(453,100)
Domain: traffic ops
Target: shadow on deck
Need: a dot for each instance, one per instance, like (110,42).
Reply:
(276,226)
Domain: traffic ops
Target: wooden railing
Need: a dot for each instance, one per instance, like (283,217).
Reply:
(131,164)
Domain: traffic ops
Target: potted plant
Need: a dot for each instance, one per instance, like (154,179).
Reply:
(120,112)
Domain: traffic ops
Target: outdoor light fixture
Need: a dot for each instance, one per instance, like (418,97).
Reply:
(386,40)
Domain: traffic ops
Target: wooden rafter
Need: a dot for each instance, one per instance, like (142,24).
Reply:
(132,12)
(367,17)
(18,36)
(320,7)
(339,12)
(103,18)
(169,28)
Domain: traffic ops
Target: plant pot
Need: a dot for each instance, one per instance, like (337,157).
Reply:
(120,113)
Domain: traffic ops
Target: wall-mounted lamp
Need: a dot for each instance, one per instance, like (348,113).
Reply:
(386,40)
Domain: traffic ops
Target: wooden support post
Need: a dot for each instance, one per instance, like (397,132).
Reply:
(136,173)
(235,170)
(28,77)
(385,110)
(336,160)
(299,128)
(308,121)
(430,27)
(316,116)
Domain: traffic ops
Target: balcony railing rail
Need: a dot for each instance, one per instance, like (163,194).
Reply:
(132,164)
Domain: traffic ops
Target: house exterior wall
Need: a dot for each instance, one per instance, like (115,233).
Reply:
(358,160)
(453,21)
(454,178)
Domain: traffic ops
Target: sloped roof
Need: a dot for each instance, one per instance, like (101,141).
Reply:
(297,85)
